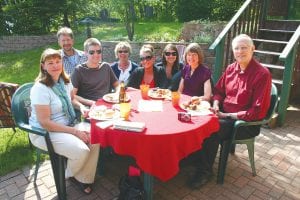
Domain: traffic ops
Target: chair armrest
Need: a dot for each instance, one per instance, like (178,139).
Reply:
(31,129)
(240,123)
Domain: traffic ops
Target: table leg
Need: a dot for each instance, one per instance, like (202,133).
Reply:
(148,186)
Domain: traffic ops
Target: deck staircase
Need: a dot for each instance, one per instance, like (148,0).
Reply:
(277,48)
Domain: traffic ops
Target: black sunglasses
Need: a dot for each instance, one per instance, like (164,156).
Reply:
(124,51)
(146,58)
(170,53)
(91,52)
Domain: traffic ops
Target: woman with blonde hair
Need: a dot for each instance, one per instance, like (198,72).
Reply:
(149,74)
(124,66)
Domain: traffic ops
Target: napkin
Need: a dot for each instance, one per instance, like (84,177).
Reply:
(104,124)
(150,106)
(129,126)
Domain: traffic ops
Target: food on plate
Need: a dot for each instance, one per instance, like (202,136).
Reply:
(114,98)
(195,104)
(109,113)
(102,113)
(159,93)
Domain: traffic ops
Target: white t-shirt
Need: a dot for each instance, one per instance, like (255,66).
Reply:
(40,94)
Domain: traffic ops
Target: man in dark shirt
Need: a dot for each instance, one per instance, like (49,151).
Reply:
(243,92)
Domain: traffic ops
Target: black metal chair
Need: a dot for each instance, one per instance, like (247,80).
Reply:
(229,145)
(21,112)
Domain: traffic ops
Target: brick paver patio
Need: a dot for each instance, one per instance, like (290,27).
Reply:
(277,157)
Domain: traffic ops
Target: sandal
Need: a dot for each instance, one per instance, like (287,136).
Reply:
(84,187)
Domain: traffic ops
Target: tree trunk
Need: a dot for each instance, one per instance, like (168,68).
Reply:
(66,20)
(129,20)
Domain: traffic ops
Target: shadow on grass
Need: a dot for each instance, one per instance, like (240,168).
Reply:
(15,151)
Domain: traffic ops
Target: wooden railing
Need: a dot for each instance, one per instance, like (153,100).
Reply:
(247,20)
(288,56)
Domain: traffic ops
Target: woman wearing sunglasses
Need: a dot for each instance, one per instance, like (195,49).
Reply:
(196,77)
(149,74)
(170,61)
(123,67)
(93,79)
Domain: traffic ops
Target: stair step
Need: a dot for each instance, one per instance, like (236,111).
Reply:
(277,31)
(273,66)
(270,41)
(281,24)
(285,20)
(277,81)
(267,52)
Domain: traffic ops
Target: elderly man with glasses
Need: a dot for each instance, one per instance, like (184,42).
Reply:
(242,92)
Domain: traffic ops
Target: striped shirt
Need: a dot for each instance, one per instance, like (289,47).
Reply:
(70,62)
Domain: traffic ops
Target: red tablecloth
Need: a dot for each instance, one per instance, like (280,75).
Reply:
(164,142)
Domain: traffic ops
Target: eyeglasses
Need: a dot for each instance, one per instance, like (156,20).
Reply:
(124,51)
(146,58)
(91,52)
(170,53)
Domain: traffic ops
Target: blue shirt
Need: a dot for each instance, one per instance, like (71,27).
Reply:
(70,62)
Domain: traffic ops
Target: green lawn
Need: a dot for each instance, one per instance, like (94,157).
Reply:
(23,67)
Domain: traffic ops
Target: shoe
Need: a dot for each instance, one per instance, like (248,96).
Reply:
(84,187)
(199,179)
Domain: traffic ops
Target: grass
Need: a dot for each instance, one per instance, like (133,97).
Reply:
(22,67)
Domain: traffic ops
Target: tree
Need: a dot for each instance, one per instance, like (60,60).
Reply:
(194,10)
(42,16)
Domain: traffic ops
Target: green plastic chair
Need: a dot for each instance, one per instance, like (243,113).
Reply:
(229,145)
(21,112)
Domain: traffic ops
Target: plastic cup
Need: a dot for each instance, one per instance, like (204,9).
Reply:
(125,110)
(144,91)
(175,99)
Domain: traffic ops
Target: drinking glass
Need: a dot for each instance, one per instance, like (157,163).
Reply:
(175,99)
(144,90)
(125,110)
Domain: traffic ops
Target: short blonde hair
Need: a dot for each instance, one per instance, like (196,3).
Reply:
(123,45)
(91,42)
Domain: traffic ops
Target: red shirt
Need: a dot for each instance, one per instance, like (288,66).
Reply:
(246,93)
(151,84)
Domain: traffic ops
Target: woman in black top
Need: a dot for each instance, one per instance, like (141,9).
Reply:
(149,74)
(170,62)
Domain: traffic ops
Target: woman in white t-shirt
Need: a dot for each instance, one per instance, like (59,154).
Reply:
(52,109)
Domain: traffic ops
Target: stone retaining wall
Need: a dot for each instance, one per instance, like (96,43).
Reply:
(20,43)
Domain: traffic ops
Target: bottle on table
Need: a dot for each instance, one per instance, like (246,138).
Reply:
(122,93)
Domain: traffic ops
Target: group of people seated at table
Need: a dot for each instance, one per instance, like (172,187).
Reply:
(69,79)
